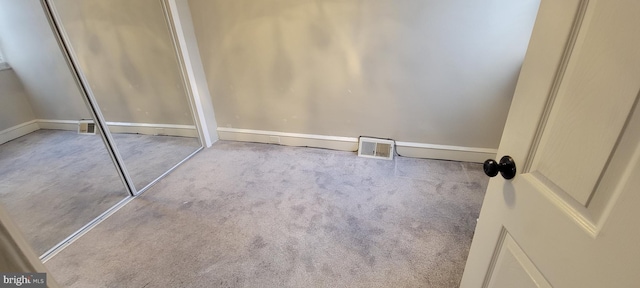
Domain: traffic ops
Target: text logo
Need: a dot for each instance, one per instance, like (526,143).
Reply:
(23,280)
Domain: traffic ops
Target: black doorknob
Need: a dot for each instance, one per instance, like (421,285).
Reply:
(506,167)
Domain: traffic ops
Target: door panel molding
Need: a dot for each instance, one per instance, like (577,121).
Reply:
(589,77)
(595,120)
(564,202)
(618,168)
(557,82)
(509,252)
(494,257)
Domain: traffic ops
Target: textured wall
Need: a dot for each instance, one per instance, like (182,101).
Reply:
(126,52)
(29,46)
(14,105)
(432,71)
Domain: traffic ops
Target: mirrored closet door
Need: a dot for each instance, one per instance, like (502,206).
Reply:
(93,111)
(127,55)
(56,174)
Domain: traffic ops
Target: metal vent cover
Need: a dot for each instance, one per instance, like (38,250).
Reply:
(376,148)
(86,127)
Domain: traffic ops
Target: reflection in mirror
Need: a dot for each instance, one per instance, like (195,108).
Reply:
(55,172)
(126,52)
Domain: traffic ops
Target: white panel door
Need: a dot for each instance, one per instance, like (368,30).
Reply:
(570,216)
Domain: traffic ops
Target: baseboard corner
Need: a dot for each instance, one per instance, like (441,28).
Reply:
(17,131)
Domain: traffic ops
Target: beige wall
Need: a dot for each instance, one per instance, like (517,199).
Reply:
(432,71)
(29,46)
(131,66)
(126,52)
(14,105)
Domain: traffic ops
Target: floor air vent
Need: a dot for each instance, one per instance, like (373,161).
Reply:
(86,127)
(376,148)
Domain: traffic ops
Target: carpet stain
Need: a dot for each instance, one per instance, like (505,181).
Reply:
(257,243)
(380,210)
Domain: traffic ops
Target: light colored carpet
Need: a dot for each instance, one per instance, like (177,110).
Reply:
(257,215)
(147,157)
(53,182)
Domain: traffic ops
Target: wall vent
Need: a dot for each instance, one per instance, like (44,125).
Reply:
(376,148)
(86,127)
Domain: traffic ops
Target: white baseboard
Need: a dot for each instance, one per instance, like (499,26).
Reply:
(115,127)
(289,139)
(71,125)
(407,149)
(445,152)
(154,129)
(123,127)
(19,130)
